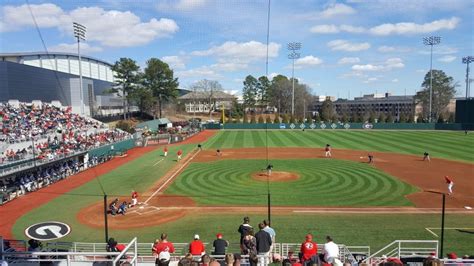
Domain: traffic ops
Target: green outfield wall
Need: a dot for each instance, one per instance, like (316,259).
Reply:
(117,147)
(328,126)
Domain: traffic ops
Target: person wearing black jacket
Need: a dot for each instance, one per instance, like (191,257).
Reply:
(264,241)
(244,228)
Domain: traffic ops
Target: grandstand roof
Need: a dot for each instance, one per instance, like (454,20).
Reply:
(22,54)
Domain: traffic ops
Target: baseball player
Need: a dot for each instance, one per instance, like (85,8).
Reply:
(450,184)
(165,151)
(371,158)
(218,153)
(328,151)
(134,198)
(269,169)
(426,157)
(200,147)
(180,152)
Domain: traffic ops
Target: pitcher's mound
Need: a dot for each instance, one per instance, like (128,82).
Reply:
(276,176)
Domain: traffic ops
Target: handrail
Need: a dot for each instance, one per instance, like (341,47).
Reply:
(396,251)
(134,260)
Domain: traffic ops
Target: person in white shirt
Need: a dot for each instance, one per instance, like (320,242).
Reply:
(330,250)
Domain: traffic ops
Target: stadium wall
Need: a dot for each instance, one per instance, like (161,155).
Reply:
(118,147)
(329,126)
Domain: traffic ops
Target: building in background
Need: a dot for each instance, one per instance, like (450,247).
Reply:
(372,103)
(55,77)
(201,102)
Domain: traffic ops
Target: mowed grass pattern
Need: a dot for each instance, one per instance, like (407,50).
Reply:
(450,145)
(322,183)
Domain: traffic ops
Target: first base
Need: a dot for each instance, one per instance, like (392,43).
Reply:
(468,207)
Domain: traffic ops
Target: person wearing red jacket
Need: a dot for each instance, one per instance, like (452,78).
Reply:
(180,152)
(196,247)
(308,250)
(162,250)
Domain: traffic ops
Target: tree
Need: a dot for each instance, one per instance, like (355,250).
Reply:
(354,117)
(371,117)
(263,90)
(143,98)
(284,119)
(208,89)
(390,118)
(245,119)
(280,94)
(402,118)
(292,120)
(443,91)
(382,118)
(253,119)
(237,118)
(327,110)
(410,119)
(249,92)
(420,119)
(159,78)
(261,120)
(277,120)
(127,78)
(344,117)
(268,120)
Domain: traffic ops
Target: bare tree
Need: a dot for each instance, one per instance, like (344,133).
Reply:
(207,89)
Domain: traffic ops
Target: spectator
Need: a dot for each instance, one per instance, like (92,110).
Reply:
(196,247)
(219,245)
(162,250)
(264,241)
(309,251)
(244,228)
(330,251)
(271,231)
(249,247)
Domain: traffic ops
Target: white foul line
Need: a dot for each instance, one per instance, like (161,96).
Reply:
(158,162)
(428,229)
(171,177)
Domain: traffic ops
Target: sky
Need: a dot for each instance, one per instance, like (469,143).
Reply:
(349,47)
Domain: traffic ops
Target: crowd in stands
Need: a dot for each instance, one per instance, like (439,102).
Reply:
(58,132)
(29,181)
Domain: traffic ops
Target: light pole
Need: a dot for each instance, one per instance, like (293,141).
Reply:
(431,41)
(80,34)
(466,60)
(293,47)
(443,213)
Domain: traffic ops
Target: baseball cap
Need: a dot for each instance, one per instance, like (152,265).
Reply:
(196,236)
(309,236)
(219,235)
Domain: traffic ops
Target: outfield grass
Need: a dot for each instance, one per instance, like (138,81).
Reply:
(451,145)
(322,183)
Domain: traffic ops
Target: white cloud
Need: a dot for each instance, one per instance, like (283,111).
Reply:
(331,28)
(175,62)
(244,51)
(442,49)
(447,58)
(389,64)
(181,5)
(413,28)
(72,48)
(108,27)
(336,10)
(370,80)
(199,72)
(343,45)
(325,29)
(394,80)
(308,61)
(348,60)
(229,66)
(272,75)
(386,49)
(402,28)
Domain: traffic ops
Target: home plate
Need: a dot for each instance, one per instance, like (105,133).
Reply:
(141,207)
(468,207)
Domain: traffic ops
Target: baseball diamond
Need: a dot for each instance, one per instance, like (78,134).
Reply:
(204,192)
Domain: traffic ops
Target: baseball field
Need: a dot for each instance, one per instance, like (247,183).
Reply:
(395,197)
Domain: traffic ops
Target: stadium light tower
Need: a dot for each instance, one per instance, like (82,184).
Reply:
(431,41)
(293,47)
(80,34)
(467,60)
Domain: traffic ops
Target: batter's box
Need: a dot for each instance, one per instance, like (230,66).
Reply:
(145,209)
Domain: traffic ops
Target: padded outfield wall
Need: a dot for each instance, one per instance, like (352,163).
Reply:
(307,126)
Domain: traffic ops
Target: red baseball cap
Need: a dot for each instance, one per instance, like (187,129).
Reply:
(219,235)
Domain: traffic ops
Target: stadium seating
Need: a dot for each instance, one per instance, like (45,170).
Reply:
(47,135)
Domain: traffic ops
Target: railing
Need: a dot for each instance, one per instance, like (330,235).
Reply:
(404,248)
(133,260)
(344,251)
